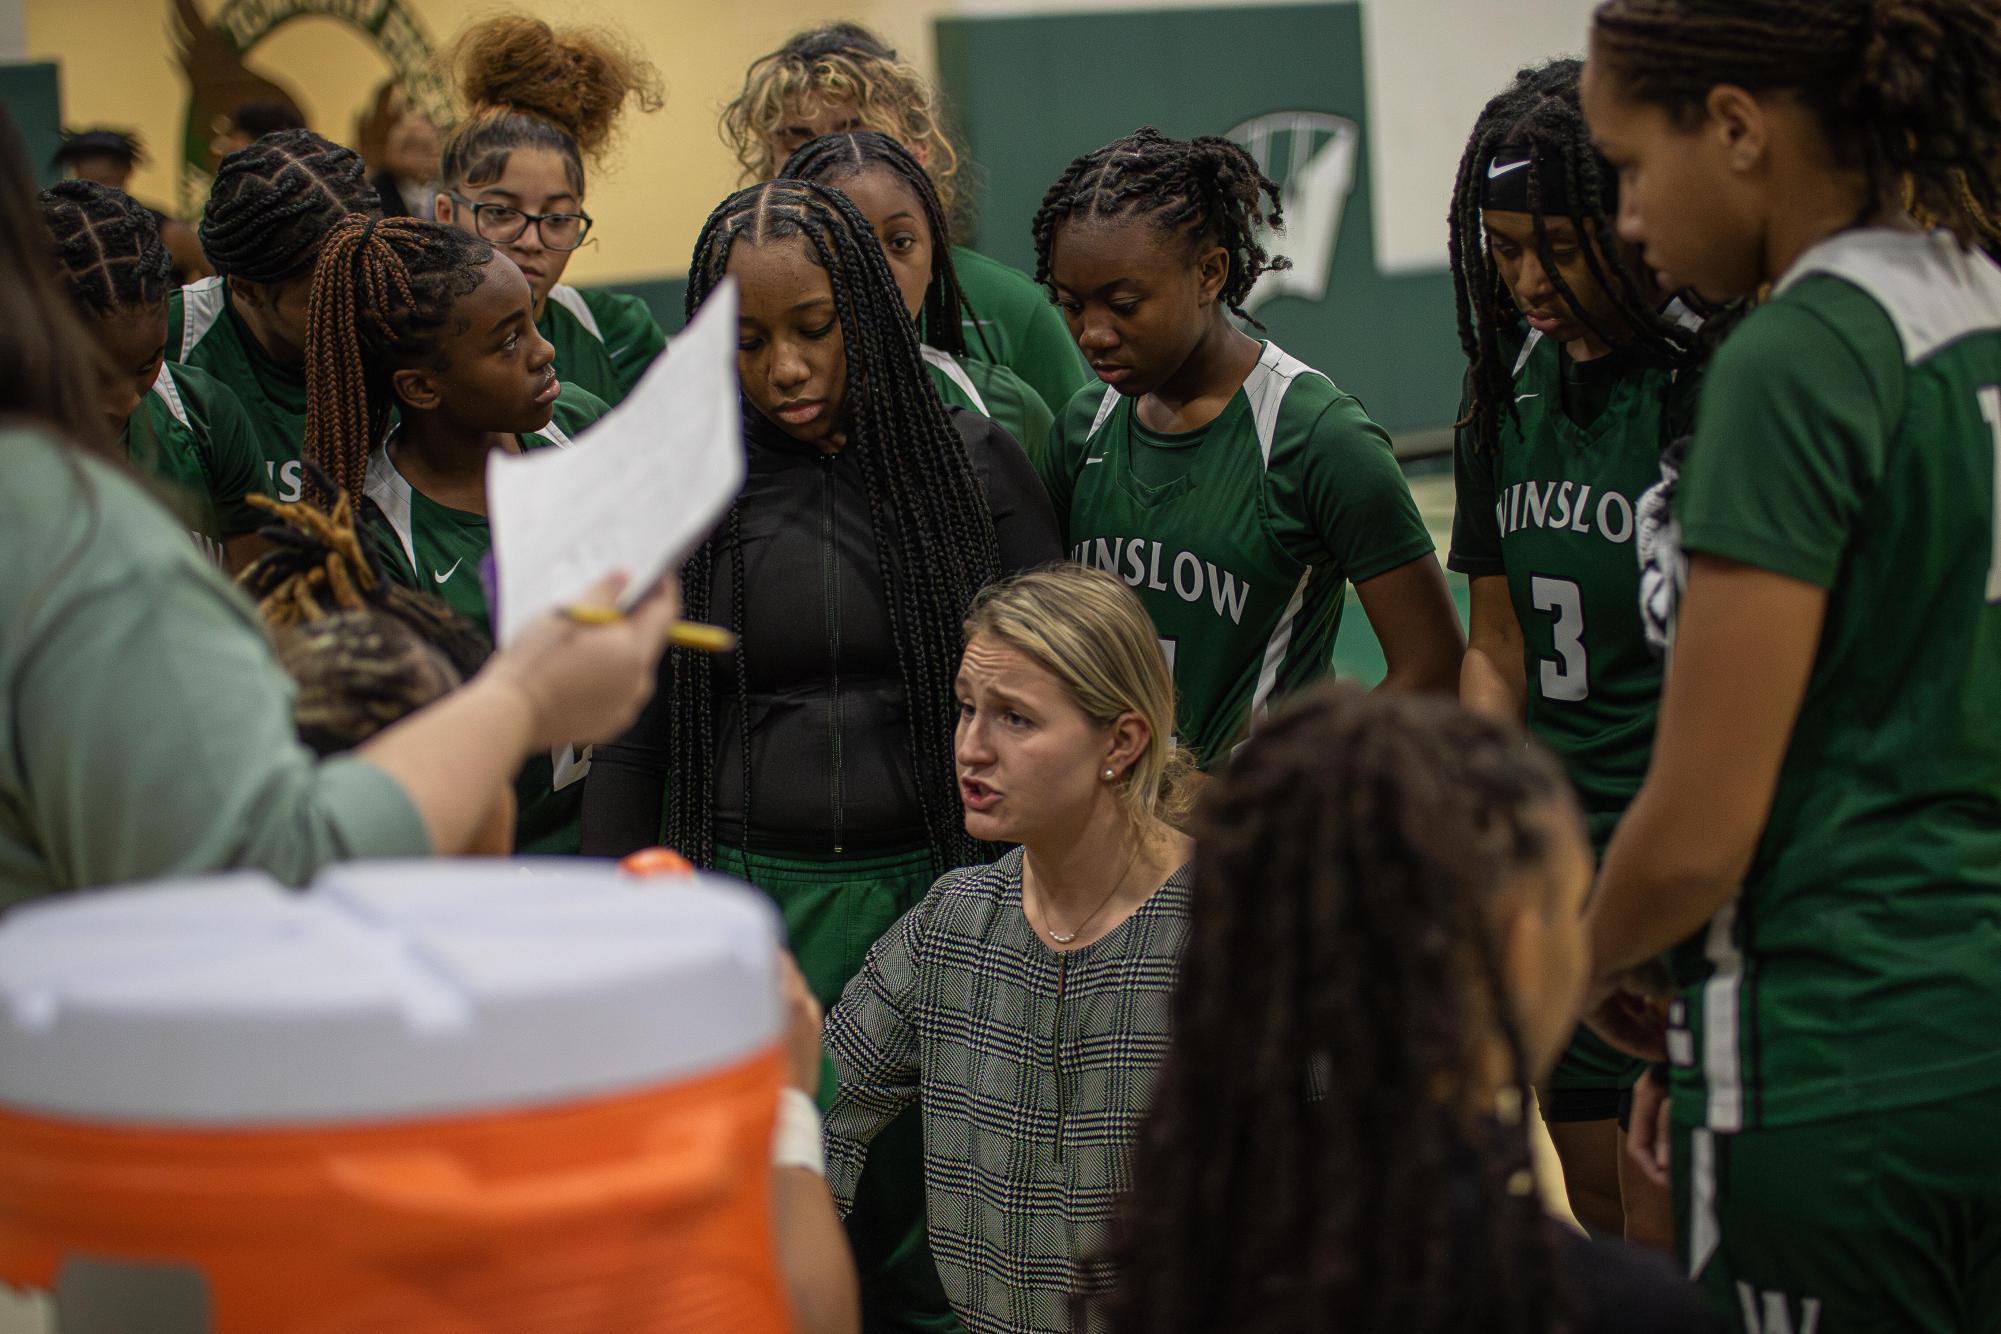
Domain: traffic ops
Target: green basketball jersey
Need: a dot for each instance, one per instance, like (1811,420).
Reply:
(995,392)
(1551,510)
(604,341)
(192,433)
(1010,322)
(1848,437)
(204,330)
(1239,537)
(438,550)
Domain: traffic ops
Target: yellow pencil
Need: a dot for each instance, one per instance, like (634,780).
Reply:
(681,634)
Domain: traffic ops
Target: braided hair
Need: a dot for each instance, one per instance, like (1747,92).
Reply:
(934,534)
(530,86)
(837,157)
(1346,867)
(108,248)
(381,301)
(1903,88)
(1207,188)
(274,202)
(365,650)
(1538,113)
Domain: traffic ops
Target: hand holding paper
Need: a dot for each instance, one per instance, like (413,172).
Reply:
(642,487)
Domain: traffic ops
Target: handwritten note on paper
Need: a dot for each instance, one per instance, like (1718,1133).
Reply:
(642,487)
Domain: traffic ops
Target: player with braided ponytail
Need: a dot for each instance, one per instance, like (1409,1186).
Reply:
(174,421)
(269,211)
(432,322)
(1234,487)
(899,201)
(1387,950)
(540,104)
(1818,840)
(1574,390)
(816,761)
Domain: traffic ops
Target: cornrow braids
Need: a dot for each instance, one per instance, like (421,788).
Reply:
(1270,1196)
(1539,113)
(273,204)
(934,534)
(836,157)
(1905,88)
(1207,187)
(319,566)
(108,248)
(381,301)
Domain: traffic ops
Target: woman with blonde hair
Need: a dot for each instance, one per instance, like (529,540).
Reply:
(1024,1005)
(841,77)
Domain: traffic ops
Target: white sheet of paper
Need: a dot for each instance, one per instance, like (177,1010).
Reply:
(643,486)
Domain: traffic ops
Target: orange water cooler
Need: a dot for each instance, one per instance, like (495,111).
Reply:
(436,1098)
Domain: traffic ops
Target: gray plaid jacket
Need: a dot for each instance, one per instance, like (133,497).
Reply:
(1034,1070)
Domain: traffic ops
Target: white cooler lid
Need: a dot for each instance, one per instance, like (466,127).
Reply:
(389,989)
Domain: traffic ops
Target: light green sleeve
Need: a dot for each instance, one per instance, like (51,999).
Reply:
(234,461)
(1016,406)
(1059,463)
(632,337)
(147,727)
(1339,487)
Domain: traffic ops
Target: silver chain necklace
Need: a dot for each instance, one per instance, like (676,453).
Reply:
(1060,938)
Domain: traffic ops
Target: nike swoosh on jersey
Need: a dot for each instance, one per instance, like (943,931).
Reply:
(1099,459)
(1494,170)
(440,578)
(1523,398)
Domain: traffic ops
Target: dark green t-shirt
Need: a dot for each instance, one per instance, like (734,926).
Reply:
(1551,510)
(438,550)
(994,392)
(204,331)
(1240,537)
(604,341)
(1848,437)
(192,433)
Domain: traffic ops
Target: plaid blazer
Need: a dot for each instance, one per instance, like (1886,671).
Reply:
(1034,1069)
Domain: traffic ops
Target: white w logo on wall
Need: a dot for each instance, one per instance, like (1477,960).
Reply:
(1312,157)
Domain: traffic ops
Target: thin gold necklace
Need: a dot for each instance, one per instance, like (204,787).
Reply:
(1062,939)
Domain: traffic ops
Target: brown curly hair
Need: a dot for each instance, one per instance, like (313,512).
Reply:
(527,85)
(841,62)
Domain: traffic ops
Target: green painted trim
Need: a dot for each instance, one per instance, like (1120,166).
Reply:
(33,93)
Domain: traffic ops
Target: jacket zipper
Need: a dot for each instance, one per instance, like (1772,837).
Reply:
(831,584)
(1056,1053)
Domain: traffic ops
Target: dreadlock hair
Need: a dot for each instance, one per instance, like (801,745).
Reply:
(840,62)
(934,535)
(381,301)
(1346,867)
(837,157)
(108,248)
(55,372)
(527,85)
(1903,88)
(365,650)
(1207,188)
(1539,113)
(274,202)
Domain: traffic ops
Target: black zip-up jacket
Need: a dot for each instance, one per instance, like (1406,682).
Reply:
(829,732)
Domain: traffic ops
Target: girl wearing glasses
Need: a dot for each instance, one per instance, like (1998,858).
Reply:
(513,173)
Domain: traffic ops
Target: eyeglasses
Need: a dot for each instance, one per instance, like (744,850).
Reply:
(504,225)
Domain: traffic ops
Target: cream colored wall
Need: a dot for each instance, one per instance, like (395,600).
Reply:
(650,198)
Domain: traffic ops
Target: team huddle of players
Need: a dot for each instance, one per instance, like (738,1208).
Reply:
(1727,473)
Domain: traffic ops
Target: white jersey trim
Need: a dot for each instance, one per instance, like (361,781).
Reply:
(170,394)
(391,494)
(1528,346)
(1722,1061)
(1275,651)
(953,371)
(1934,292)
(1266,386)
(570,299)
(1106,406)
(1705,1233)
(201,307)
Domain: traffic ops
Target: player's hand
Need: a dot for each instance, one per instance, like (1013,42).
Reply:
(1647,1138)
(803,1024)
(586,683)
(1630,1013)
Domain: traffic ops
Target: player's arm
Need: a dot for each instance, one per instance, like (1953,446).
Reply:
(1492,680)
(1744,647)
(1411,611)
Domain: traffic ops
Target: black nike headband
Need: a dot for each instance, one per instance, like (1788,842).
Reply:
(1506,184)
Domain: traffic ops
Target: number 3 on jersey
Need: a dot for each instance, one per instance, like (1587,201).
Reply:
(1567,676)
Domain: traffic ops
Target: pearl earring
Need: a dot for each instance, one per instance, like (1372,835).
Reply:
(1110,774)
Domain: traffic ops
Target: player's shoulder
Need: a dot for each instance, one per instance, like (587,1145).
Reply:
(1298,412)
(194,316)
(1001,288)
(616,313)
(1923,289)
